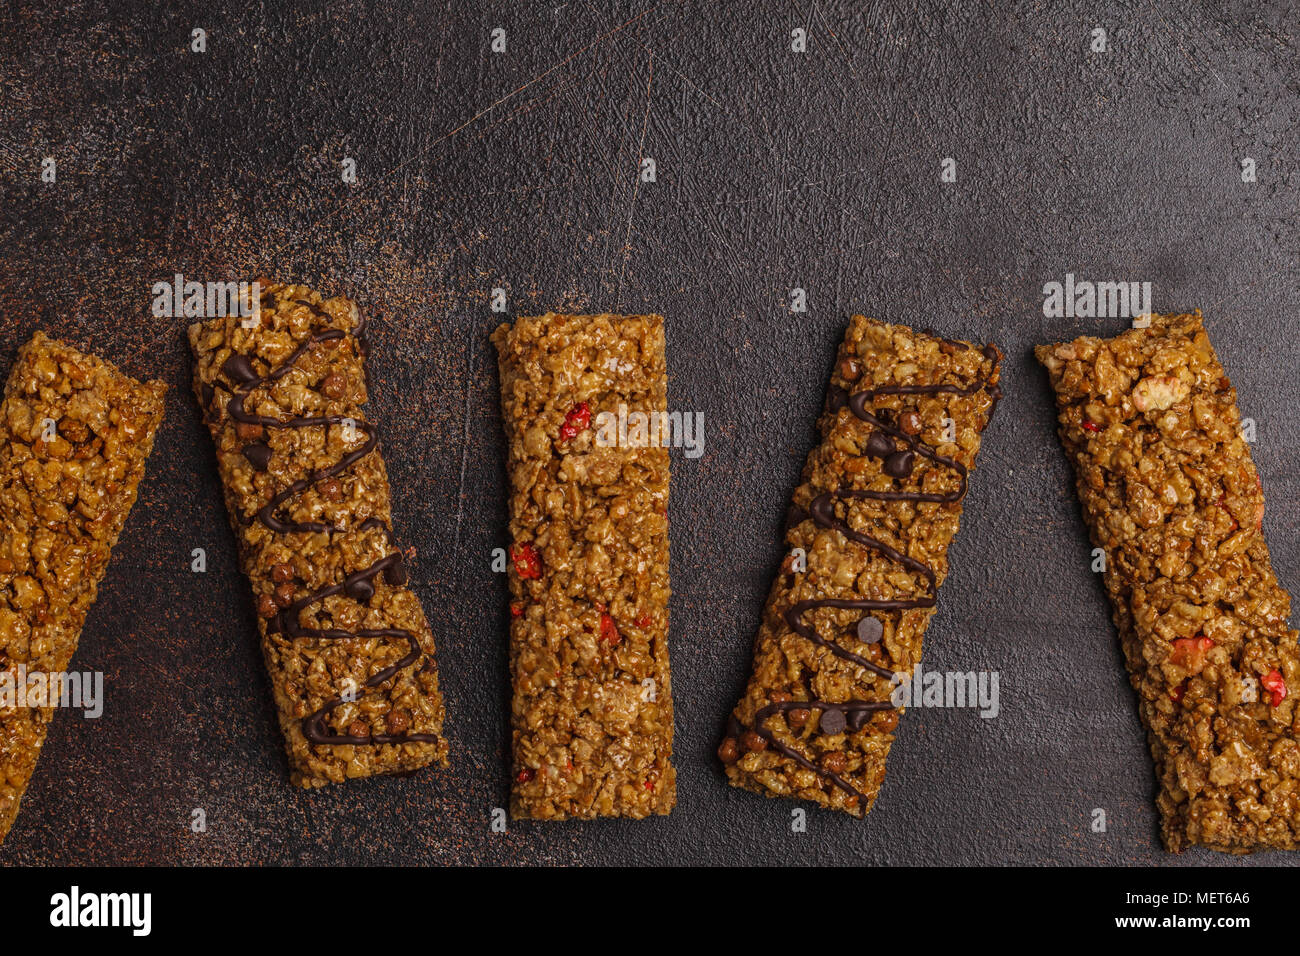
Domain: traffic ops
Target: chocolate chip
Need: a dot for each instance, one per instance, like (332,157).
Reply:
(870,630)
(359,590)
(258,455)
(910,422)
(858,719)
(879,445)
(395,573)
(239,369)
(832,722)
(899,464)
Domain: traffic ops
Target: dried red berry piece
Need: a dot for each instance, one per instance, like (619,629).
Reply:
(527,562)
(525,775)
(1275,684)
(516,610)
(1091,426)
(1189,652)
(643,621)
(1176,693)
(576,420)
(609,630)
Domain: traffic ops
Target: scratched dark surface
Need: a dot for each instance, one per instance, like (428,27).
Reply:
(774,170)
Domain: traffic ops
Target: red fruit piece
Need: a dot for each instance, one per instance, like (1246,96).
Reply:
(525,775)
(1275,684)
(516,610)
(643,621)
(576,420)
(528,563)
(1189,652)
(1176,694)
(1091,426)
(609,630)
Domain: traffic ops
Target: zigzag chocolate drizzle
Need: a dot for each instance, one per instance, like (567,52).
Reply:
(358,585)
(856,713)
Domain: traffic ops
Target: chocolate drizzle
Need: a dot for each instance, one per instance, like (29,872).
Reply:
(358,586)
(898,464)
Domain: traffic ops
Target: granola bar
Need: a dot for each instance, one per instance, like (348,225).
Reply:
(868,534)
(592,710)
(346,643)
(74,436)
(1169,491)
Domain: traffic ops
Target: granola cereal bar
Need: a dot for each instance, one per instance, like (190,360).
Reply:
(346,643)
(74,436)
(1169,491)
(592,711)
(868,535)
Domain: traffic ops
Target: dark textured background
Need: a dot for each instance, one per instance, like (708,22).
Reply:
(774,170)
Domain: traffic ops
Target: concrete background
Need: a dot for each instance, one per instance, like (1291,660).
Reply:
(774,170)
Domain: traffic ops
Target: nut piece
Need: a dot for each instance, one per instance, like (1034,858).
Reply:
(1158,392)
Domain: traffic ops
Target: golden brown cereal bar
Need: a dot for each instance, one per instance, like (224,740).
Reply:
(868,534)
(346,643)
(592,710)
(74,436)
(1169,491)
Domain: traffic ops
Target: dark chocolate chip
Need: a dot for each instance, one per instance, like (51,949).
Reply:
(359,590)
(858,719)
(879,445)
(899,464)
(870,630)
(832,722)
(258,455)
(239,369)
(395,574)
